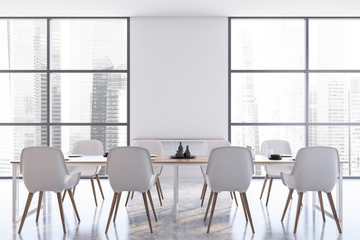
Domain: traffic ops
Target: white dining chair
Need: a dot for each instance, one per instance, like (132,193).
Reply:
(273,171)
(229,169)
(43,169)
(315,169)
(87,148)
(208,147)
(130,169)
(155,149)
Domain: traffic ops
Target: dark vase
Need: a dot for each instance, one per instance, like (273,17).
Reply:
(187,153)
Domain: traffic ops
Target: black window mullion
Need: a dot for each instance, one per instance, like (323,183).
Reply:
(48,107)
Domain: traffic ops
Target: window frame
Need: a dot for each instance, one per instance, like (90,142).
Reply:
(306,71)
(48,71)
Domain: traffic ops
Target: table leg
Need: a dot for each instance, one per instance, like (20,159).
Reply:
(176,192)
(15,192)
(339,194)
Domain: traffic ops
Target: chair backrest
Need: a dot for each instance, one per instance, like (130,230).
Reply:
(43,169)
(153,146)
(316,169)
(230,169)
(129,169)
(88,147)
(278,146)
(211,144)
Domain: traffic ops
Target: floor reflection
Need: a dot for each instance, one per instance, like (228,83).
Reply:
(228,221)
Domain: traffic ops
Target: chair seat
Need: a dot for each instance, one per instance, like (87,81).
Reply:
(86,171)
(158,170)
(72,180)
(118,188)
(275,171)
(288,180)
(203,170)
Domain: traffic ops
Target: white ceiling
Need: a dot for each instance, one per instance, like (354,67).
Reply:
(167,8)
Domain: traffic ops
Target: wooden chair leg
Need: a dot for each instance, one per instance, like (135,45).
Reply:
(158,192)
(298,211)
(93,188)
(160,188)
(212,211)
(264,184)
(63,197)
(73,203)
(248,212)
(321,205)
(147,211)
(235,199)
(111,212)
(208,206)
(132,195)
(39,205)
(268,196)
(334,211)
(243,204)
(98,181)
(202,201)
(117,205)
(61,211)
(287,203)
(203,190)
(74,190)
(27,205)
(152,204)
(231,196)
(127,199)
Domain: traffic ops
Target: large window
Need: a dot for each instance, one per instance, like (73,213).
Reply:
(296,79)
(62,80)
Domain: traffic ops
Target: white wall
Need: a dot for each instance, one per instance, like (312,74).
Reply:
(179,77)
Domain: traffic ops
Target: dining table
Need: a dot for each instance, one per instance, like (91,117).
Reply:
(176,163)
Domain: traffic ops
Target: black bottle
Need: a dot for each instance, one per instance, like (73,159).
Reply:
(179,152)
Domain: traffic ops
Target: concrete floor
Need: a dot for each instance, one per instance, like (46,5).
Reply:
(228,221)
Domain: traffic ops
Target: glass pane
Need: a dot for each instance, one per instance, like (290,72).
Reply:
(23,44)
(13,139)
(267,97)
(254,136)
(334,97)
(23,97)
(354,163)
(334,43)
(267,44)
(332,136)
(64,137)
(89,97)
(99,44)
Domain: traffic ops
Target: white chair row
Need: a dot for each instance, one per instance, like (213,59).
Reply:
(315,169)
(43,169)
(130,169)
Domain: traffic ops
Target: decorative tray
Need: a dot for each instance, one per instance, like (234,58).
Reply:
(174,157)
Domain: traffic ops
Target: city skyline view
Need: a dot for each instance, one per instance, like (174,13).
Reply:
(267,104)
